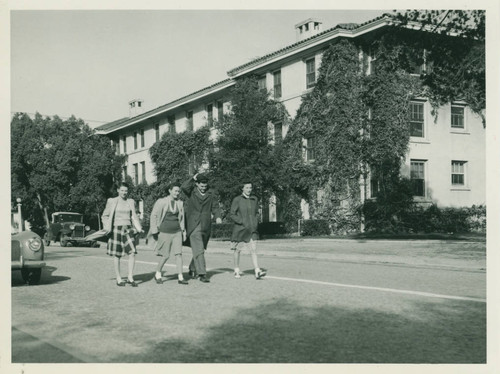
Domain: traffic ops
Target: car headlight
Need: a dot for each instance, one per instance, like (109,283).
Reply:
(34,244)
(87,228)
(71,227)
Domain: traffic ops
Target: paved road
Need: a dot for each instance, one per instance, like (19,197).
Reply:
(322,301)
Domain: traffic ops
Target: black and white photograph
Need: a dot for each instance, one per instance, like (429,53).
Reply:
(252,184)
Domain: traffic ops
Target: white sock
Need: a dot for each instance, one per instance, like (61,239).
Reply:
(236,270)
(257,270)
(180,277)
(158,275)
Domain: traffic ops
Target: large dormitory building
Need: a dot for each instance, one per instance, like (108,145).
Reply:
(446,156)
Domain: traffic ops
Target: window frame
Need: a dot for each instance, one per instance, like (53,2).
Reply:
(277,87)
(143,140)
(124,140)
(210,113)
(135,141)
(220,110)
(310,73)
(463,173)
(157,131)
(143,172)
(462,107)
(424,181)
(310,149)
(413,121)
(277,139)
(171,124)
(136,173)
(189,120)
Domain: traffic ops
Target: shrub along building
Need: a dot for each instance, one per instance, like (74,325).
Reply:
(442,145)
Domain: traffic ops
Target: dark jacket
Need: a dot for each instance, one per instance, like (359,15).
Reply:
(245,215)
(199,209)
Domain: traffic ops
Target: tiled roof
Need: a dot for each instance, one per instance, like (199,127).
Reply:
(340,26)
(108,127)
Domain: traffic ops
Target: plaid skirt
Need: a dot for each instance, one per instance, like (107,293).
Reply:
(121,242)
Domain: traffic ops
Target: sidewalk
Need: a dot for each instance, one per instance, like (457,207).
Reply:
(418,253)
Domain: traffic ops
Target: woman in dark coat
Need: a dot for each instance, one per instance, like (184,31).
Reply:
(244,213)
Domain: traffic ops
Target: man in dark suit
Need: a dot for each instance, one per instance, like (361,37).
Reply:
(202,202)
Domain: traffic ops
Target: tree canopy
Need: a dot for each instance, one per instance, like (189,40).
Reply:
(59,165)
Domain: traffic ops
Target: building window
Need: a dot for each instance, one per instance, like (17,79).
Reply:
(277,84)
(374,183)
(310,73)
(220,111)
(142,138)
(310,149)
(261,81)
(417,177)
(136,174)
(171,124)
(192,165)
(124,141)
(457,117)
(417,120)
(372,55)
(157,131)
(278,132)
(143,169)
(135,140)
(458,173)
(210,113)
(189,120)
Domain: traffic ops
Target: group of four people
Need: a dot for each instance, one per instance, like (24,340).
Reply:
(173,223)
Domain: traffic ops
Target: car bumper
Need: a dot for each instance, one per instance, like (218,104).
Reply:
(27,264)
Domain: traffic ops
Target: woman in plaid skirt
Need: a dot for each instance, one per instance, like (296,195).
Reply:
(121,222)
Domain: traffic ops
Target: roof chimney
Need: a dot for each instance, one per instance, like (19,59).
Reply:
(307,28)
(135,107)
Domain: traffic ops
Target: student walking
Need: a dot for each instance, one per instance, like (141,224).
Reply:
(122,224)
(168,230)
(244,213)
(200,205)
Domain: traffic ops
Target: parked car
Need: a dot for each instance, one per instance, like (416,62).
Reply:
(27,254)
(68,228)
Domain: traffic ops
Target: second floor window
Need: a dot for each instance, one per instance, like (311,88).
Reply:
(457,117)
(310,149)
(417,120)
(142,138)
(458,173)
(124,142)
(210,113)
(136,174)
(143,169)
(261,81)
(220,111)
(135,140)
(189,120)
(171,124)
(310,73)
(157,131)
(417,177)
(277,84)
(278,132)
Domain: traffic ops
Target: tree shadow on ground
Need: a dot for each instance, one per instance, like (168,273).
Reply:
(46,279)
(285,332)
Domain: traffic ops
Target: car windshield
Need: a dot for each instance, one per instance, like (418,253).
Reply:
(69,218)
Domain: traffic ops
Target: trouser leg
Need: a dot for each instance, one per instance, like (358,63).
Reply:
(198,252)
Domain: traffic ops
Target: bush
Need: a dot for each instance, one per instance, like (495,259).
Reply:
(315,227)
(272,228)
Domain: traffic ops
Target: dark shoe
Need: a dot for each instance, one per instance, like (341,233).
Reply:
(158,280)
(260,274)
(120,284)
(182,281)
(133,283)
(204,279)
(192,274)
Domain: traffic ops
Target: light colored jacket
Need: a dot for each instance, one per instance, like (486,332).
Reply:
(158,213)
(109,214)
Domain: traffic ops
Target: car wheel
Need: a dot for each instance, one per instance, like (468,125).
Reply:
(31,276)
(96,245)
(46,242)
(63,242)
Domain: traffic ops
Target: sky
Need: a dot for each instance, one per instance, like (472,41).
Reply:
(91,63)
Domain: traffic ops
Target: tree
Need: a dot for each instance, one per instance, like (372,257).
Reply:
(243,148)
(60,165)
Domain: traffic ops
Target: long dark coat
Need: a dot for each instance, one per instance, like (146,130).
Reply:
(199,209)
(244,213)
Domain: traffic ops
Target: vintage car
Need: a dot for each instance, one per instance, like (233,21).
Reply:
(27,253)
(68,228)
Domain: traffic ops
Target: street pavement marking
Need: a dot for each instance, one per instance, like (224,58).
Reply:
(408,292)
(394,290)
